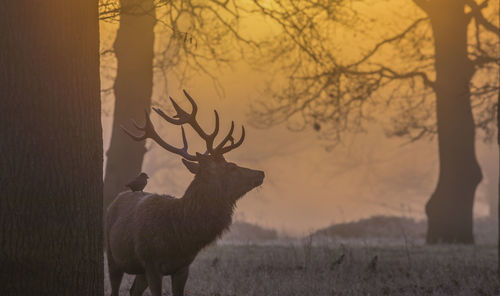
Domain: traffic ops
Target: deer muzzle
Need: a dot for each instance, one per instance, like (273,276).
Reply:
(260,178)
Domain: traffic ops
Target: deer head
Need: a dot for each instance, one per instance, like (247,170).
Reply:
(210,168)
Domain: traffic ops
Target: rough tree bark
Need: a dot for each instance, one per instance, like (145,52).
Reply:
(498,212)
(449,210)
(50,149)
(133,87)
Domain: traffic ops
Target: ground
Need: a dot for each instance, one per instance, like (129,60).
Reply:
(307,268)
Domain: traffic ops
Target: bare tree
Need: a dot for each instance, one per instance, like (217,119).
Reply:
(133,87)
(498,211)
(423,74)
(193,37)
(51,149)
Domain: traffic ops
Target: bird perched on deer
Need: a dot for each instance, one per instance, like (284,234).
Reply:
(139,183)
(152,235)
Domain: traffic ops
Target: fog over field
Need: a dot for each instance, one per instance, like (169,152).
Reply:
(250,148)
(308,186)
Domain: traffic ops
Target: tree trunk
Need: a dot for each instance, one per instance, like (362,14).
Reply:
(50,149)
(498,211)
(492,195)
(133,87)
(449,210)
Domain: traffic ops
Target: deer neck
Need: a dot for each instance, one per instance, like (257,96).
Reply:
(208,211)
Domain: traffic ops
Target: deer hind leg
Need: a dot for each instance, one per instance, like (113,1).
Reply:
(140,284)
(179,281)
(153,278)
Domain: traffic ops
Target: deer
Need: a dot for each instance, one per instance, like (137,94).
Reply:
(152,235)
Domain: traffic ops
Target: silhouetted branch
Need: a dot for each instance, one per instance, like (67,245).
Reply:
(392,74)
(193,36)
(390,40)
(425,5)
(482,60)
(334,96)
(110,10)
(479,17)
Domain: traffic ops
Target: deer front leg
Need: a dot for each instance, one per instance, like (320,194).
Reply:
(115,276)
(179,281)
(140,284)
(153,277)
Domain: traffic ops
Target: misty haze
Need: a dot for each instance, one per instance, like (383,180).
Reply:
(263,147)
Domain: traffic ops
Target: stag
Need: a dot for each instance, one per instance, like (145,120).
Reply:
(151,235)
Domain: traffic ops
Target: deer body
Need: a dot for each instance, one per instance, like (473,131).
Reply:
(145,236)
(153,235)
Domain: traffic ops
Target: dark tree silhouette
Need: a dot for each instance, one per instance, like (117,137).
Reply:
(51,149)
(498,212)
(133,86)
(490,170)
(193,37)
(337,94)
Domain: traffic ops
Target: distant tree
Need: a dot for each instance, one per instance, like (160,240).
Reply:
(498,211)
(490,170)
(133,87)
(50,149)
(422,76)
(193,36)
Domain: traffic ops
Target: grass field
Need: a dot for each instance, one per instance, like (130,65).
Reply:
(305,268)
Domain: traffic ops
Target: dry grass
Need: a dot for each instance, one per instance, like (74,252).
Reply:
(306,269)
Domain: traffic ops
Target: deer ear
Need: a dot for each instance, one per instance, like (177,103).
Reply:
(193,167)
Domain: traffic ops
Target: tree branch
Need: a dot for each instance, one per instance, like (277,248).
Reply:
(425,5)
(425,79)
(392,74)
(484,59)
(479,17)
(389,40)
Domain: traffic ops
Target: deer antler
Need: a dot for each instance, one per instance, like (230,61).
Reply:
(150,132)
(183,117)
(220,149)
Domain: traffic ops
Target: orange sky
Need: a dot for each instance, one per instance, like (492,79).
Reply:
(306,187)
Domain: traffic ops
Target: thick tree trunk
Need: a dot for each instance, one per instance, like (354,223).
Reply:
(449,210)
(50,149)
(498,211)
(492,195)
(133,88)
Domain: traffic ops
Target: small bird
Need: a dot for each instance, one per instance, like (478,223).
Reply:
(138,183)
